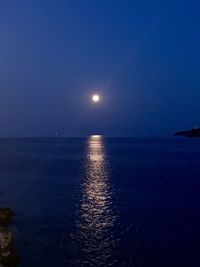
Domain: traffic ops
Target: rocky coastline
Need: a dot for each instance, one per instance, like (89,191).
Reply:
(195,132)
(8,254)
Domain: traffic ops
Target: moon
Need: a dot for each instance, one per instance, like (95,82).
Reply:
(95,98)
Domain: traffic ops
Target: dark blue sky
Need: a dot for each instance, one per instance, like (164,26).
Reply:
(141,56)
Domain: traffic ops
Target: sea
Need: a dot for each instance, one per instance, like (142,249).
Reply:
(98,201)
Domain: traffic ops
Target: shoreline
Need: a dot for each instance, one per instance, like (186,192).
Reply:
(8,254)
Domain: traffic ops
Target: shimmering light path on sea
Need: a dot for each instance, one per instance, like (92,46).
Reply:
(96,218)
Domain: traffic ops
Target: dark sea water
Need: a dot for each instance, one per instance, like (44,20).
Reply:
(103,201)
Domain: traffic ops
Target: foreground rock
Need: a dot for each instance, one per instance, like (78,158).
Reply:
(189,133)
(8,254)
(6,215)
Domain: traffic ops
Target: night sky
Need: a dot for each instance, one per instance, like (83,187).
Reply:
(141,56)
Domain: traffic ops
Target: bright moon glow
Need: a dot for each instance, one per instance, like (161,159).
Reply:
(95,136)
(96,98)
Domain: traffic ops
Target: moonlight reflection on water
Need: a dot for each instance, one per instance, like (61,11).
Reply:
(96,218)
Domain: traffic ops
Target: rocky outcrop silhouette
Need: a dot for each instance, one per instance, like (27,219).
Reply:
(195,132)
(8,255)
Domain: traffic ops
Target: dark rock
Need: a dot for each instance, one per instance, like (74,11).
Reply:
(6,240)
(8,255)
(6,215)
(9,259)
(189,133)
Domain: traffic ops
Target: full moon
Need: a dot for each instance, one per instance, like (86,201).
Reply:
(95,98)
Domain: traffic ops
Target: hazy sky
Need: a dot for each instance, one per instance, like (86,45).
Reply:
(142,56)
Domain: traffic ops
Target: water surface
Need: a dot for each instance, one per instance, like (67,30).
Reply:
(103,201)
